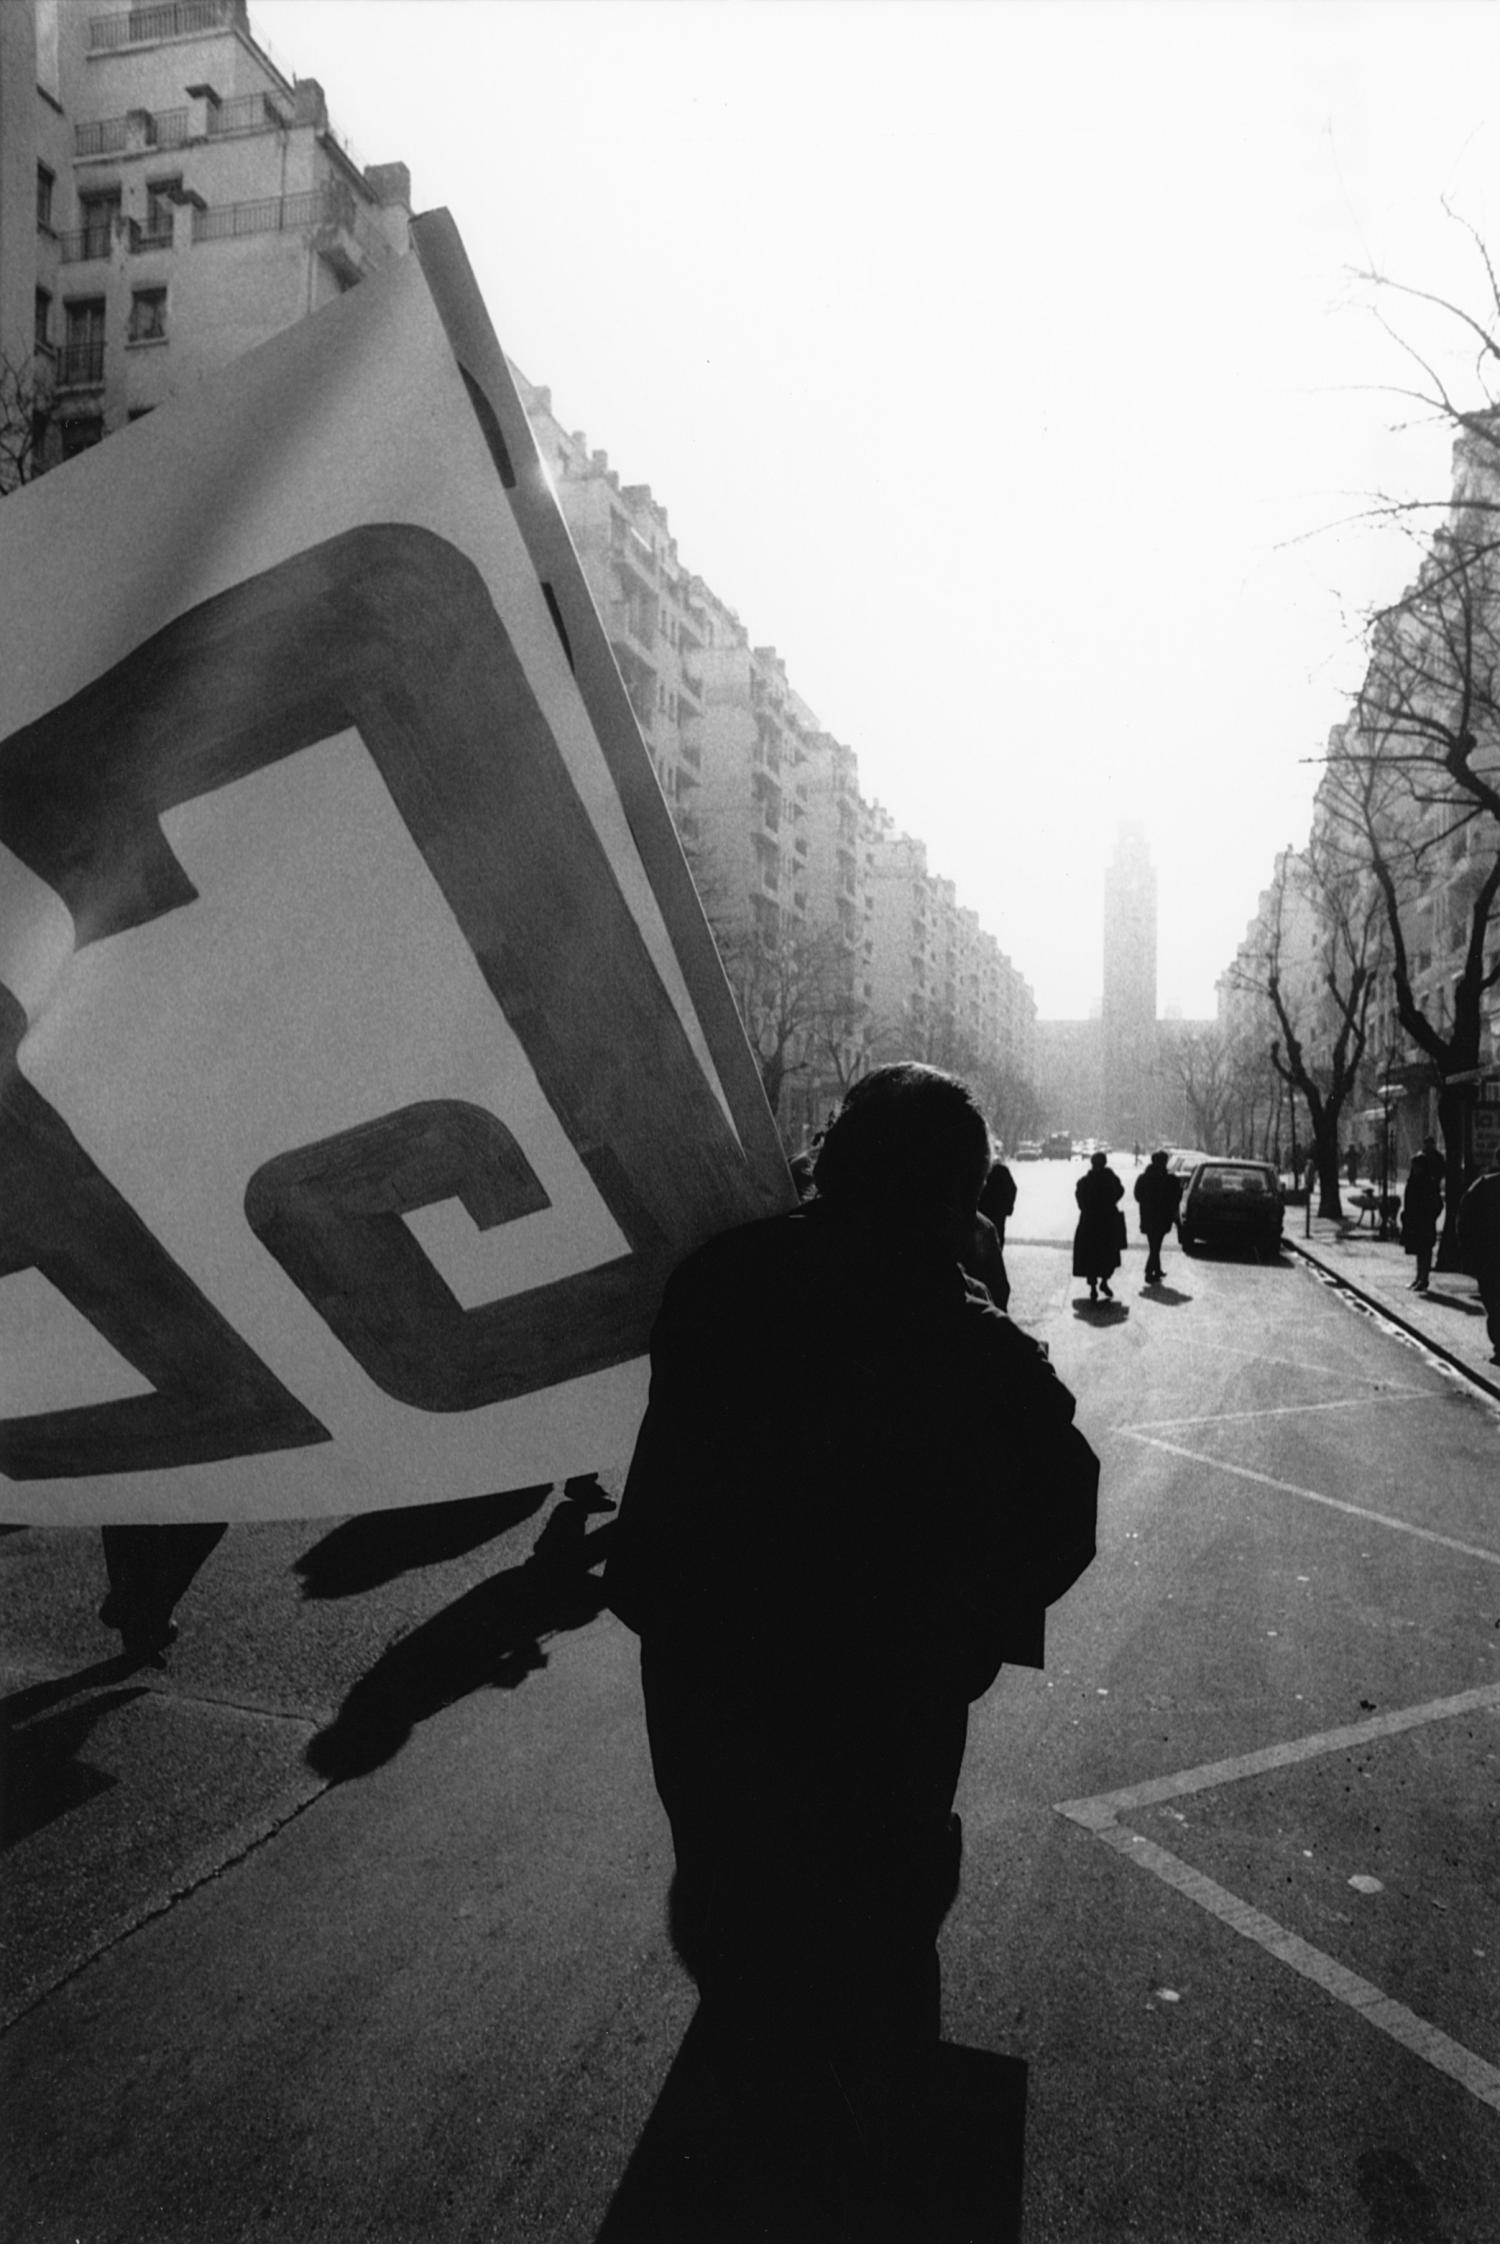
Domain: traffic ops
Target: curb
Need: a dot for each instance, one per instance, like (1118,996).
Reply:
(1460,1364)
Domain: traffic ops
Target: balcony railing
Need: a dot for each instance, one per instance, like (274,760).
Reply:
(256,112)
(178,19)
(155,236)
(329,205)
(80,366)
(87,244)
(111,136)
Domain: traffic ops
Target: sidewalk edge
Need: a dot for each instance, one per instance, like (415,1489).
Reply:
(1469,1371)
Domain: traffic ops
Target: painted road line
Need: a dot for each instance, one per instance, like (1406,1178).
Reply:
(1314,1496)
(1257,1356)
(1293,1410)
(1099,1817)
(1105,1806)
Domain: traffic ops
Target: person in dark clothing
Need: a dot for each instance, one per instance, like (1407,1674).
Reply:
(1479,1245)
(1158,1194)
(856,1488)
(1421,1206)
(149,1569)
(996,1203)
(1099,1236)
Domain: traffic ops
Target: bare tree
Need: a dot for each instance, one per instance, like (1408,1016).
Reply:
(25,420)
(794,989)
(1412,794)
(1199,1064)
(1315,970)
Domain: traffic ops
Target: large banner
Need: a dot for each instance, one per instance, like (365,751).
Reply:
(365,1060)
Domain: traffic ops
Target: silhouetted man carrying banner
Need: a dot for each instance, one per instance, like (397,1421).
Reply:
(856,1489)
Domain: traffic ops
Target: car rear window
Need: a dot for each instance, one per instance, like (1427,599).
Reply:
(1255,1182)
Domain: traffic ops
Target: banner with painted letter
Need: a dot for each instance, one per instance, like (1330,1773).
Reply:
(365,1058)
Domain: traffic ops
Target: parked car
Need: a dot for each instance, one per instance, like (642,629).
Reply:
(1028,1150)
(1059,1146)
(1232,1202)
(1182,1160)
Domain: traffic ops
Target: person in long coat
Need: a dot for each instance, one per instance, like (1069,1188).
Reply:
(1420,1209)
(857,1485)
(1479,1244)
(1097,1240)
(1158,1194)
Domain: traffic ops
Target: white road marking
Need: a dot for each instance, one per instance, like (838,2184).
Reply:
(1256,1355)
(1314,1496)
(1291,1410)
(1099,1815)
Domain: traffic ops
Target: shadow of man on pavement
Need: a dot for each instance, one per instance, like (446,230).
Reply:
(491,1637)
(706,2171)
(1165,1296)
(41,1776)
(360,1554)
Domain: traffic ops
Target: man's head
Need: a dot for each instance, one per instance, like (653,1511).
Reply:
(1429,1145)
(1159,1158)
(1096,1160)
(907,1137)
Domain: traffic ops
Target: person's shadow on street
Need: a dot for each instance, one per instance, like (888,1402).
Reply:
(1165,1297)
(706,2170)
(492,1637)
(1101,1312)
(376,1547)
(41,1737)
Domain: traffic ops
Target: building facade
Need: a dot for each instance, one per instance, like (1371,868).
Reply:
(827,916)
(169,197)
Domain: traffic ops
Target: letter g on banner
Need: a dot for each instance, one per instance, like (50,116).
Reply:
(392,631)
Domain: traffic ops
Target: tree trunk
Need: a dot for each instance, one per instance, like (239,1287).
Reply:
(1326,1147)
(1451,1109)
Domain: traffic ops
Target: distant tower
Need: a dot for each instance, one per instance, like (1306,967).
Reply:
(1132,1094)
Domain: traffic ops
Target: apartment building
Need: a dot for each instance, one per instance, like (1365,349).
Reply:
(169,196)
(784,847)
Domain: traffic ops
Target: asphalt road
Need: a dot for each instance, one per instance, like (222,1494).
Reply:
(1229,1898)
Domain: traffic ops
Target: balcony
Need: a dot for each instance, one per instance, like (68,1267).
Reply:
(331,207)
(80,366)
(87,245)
(179,19)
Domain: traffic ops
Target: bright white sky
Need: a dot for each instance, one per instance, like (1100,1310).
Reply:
(993,360)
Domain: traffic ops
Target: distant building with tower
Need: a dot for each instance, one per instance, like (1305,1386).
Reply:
(1118,1074)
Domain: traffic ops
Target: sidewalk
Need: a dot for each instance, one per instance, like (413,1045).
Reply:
(1449,1318)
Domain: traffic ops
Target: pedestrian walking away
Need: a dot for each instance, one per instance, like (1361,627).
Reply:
(1420,1208)
(1100,1236)
(1479,1245)
(1158,1195)
(856,1488)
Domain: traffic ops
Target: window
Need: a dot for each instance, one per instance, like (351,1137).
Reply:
(45,182)
(161,197)
(148,315)
(83,347)
(77,436)
(42,336)
(98,213)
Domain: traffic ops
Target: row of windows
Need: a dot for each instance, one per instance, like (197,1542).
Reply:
(84,320)
(99,208)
